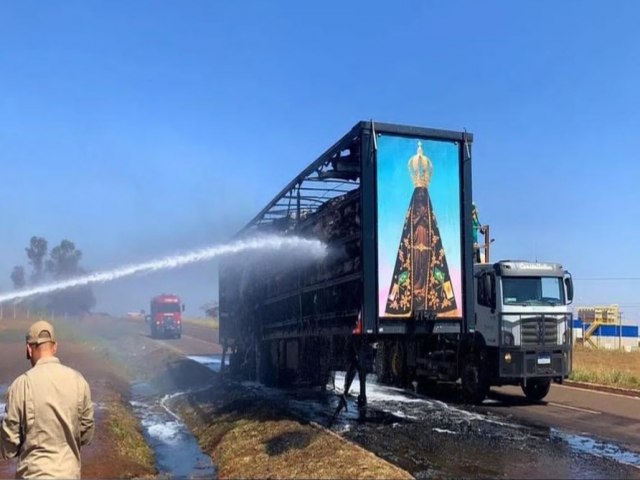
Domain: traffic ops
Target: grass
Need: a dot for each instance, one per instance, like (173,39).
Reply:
(202,321)
(125,428)
(606,367)
(248,438)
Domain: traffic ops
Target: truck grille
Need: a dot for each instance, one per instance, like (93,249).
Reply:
(539,331)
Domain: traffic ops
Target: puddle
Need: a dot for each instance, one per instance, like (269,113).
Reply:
(212,362)
(405,405)
(598,448)
(176,450)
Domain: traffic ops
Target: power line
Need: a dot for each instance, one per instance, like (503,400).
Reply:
(608,278)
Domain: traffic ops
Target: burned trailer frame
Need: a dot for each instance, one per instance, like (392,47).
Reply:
(274,315)
(285,323)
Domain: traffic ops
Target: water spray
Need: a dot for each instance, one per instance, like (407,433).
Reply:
(313,248)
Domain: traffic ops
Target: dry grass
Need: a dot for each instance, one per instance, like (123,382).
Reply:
(207,322)
(606,367)
(249,439)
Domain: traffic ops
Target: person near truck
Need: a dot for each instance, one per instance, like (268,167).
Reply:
(49,413)
(477,228)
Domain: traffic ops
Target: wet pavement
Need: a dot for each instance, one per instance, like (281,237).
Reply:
(429,437)
(176,450)
(599,448)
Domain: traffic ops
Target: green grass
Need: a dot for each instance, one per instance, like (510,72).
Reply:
(615,378)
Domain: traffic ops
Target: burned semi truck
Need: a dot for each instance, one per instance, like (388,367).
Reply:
(396,293)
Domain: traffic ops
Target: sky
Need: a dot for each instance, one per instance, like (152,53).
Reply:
(138,129)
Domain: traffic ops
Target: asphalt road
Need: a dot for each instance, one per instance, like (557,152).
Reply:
(607,416)
(195,340)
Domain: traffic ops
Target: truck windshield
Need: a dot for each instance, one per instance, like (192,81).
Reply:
(167,307)
(532,291)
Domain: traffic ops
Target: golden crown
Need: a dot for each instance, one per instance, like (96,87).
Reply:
(420,168)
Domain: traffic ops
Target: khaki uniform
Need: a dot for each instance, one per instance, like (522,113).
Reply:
(49,416)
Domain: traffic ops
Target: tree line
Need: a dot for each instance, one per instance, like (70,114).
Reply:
(61,262)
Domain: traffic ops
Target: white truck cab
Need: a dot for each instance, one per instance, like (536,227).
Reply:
(522,313)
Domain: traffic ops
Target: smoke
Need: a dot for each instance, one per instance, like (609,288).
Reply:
(313,248)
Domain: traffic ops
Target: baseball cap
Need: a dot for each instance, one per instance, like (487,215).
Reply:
(41,332)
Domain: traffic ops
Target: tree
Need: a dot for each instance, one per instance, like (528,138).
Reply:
(64,260)
(72,301)
(18,277)
(36,251)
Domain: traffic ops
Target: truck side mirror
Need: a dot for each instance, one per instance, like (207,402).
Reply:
(183,307)
(568,281)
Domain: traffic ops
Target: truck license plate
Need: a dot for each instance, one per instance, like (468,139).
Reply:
(544,359)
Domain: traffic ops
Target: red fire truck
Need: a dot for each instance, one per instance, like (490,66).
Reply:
(166,316)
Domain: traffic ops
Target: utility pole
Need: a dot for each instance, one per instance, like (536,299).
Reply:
(620,332)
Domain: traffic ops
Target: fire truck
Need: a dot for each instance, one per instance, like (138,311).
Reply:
(166,316)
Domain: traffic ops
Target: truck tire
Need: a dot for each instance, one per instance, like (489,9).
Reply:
(475,384)
(537,388)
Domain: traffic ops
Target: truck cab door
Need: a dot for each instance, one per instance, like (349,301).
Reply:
(485,308)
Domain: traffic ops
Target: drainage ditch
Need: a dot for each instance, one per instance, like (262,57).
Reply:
(176,450)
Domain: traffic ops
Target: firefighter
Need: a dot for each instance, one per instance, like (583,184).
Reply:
(49,414)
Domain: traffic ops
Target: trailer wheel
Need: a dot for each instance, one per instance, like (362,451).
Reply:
(475,384)
(537,388)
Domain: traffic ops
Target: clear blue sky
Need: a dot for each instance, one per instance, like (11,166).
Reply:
(139,128)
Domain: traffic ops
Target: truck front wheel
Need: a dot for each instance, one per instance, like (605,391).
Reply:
(536,388)
(475,384)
